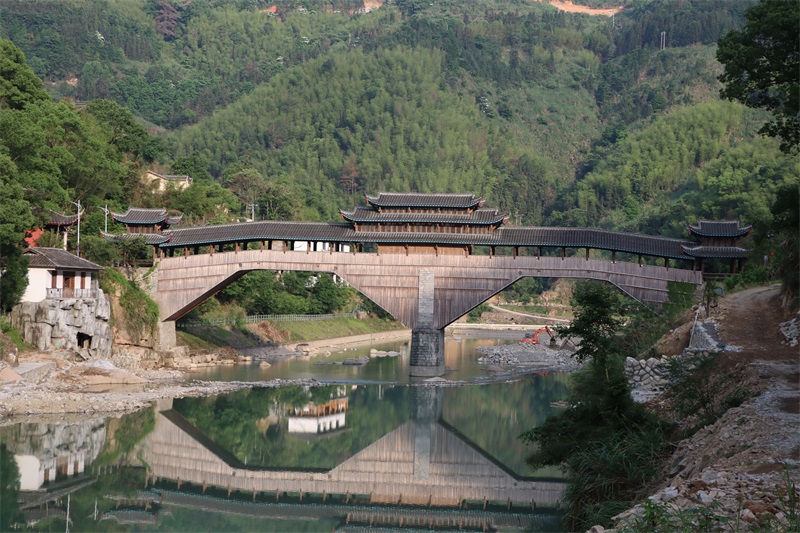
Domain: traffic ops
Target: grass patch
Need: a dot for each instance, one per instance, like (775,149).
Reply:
(560,312)
(339,327)
(193,342)
(10,333)
(209,337)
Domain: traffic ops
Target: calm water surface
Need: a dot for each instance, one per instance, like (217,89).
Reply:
(365,449)
(460,357)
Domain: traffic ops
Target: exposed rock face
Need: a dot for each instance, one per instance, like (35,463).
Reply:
(79,324)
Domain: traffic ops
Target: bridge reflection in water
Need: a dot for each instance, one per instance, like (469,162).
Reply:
(421,474)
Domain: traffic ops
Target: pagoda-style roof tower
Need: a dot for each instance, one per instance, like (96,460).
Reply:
(423,214)
(139,220)
(424,203)
(57,220)
(717,240)
(718,229)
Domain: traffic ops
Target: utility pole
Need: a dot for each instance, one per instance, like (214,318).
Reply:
(105,210)
(663,40)
(252,211)
(78,247)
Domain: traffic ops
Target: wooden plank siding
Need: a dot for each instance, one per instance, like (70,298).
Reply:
(392,280)
(387,470)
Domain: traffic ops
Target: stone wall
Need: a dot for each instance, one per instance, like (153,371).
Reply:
(79,324)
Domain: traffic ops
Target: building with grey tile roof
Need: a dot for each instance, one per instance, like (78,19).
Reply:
(56,258)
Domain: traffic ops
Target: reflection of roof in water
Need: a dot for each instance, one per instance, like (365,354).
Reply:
(53,491)
(130,516)
(360,513)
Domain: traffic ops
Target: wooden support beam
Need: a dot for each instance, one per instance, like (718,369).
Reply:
(640,259)
(587,253)
(563,252)
(491,251)
(613,256)
(185,251)
(516,251)
(539,252)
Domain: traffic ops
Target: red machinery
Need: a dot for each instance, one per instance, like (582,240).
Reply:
(533,338)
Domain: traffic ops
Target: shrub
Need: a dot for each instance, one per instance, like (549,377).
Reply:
(141,312)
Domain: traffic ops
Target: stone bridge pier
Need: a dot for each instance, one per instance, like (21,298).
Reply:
(427,342)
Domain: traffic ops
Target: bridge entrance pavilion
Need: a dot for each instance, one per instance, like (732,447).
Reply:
(418,257)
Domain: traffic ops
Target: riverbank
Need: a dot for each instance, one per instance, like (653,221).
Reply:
(741,472)
(51,385)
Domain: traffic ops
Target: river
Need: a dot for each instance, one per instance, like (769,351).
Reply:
(368,448)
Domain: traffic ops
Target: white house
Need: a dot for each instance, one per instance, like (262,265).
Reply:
(160,182)
(56,273)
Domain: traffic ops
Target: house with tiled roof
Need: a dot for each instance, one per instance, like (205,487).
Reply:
(56,273)
(161,182)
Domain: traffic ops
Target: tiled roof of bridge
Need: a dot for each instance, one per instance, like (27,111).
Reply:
(57,219)
(148,238)
(390,199)
(58,258)
(719,228)
(481,216)
(715,252)
(508,236)
(264,230)
(593,238)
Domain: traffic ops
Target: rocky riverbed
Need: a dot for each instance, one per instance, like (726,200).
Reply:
(527,357)
(51,386)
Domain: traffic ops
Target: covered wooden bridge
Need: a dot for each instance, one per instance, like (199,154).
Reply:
(417,257)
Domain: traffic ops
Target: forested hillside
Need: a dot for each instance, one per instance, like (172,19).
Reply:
(301,107)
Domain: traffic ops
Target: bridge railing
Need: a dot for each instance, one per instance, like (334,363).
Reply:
(255,319)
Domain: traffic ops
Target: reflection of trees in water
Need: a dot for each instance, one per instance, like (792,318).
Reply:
(250,424)
(9,489)
(125,433)
(492,416)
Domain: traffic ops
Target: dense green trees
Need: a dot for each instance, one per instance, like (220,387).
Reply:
(511,102)
(51,154)
(608,444)
(263,293)
(761,65)
(698,162)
